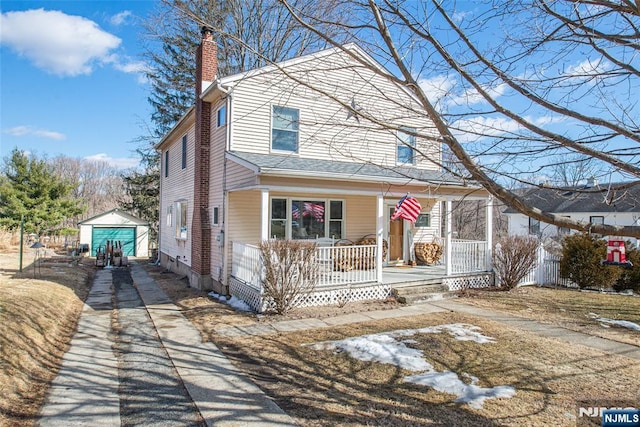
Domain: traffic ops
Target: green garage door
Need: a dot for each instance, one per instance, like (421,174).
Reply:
(126,236)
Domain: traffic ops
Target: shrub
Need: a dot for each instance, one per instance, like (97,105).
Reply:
(513,258)
(582,255)
(630,277)
(290,271)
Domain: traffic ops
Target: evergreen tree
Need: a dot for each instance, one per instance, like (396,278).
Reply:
(29,188)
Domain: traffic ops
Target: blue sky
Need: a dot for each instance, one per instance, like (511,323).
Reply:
(71,79)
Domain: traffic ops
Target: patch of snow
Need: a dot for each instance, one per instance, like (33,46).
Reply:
(449,382)
(233,302)
(391,348)
(605,323)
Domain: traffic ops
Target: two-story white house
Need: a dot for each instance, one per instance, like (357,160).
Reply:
(591,204)
(318,147)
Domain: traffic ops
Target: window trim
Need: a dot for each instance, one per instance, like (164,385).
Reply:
(182,230)
(216,215)
(411,145)
(166,164)
(184,151)
(327,218)
(170,216)
(297,130)
(221,119)
(532,227)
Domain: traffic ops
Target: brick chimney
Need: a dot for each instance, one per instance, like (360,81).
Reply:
(206,69)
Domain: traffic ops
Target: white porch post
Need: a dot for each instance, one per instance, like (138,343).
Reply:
(449,232)
(379,238)
(264,215)
(489,233)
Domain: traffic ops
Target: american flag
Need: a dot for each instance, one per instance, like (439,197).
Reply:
(407,208)
(315,210)
(295,212)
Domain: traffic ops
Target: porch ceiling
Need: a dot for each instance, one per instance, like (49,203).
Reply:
(282,165)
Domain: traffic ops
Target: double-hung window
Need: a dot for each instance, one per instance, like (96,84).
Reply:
(221,116)
(406,145)
(534,226)
(285,129)
(181,220)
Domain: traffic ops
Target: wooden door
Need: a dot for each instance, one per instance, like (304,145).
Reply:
(396,230)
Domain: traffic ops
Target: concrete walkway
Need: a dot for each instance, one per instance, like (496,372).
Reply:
(86,391)
(449,305)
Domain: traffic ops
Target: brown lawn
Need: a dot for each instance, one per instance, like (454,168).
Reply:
(38,315)
(324,388)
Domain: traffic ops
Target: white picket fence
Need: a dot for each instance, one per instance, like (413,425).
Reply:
(546,271)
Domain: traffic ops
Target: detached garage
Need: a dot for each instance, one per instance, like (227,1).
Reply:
(116,225)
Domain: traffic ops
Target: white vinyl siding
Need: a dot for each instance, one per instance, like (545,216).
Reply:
(178,185)
(325,132)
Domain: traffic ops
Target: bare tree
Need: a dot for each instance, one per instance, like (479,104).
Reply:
(95,182)
(508,85)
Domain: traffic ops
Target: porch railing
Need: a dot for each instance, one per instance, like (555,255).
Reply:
(468,256)
(246,264)
(337,265)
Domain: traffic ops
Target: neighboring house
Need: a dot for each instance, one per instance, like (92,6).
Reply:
(275,153)
(592,204)
(116,225)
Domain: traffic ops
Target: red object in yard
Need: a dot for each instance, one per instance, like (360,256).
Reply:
(616,253)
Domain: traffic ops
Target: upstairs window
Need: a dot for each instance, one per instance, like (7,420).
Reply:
(406,145)
(284,129)
(222,116)
(596,220)
(184,152)
(166,163)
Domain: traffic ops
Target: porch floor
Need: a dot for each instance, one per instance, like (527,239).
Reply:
(393,275)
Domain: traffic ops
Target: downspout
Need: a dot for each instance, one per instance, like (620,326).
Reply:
(228,91)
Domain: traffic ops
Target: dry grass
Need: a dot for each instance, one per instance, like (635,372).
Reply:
(320,388)
(37,319)
(565,307)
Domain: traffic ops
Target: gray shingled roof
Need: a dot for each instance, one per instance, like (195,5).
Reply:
(581,199)
(274,162)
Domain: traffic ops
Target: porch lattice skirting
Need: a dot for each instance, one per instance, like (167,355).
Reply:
(319,297)
(457,283)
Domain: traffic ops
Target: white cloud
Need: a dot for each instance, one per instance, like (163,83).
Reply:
(20,131)
(436,87)
(475,128)
(442,90)
(118,163)
(588,69)
(120,18)
(59,44)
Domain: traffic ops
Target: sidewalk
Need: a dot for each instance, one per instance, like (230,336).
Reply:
(85,391)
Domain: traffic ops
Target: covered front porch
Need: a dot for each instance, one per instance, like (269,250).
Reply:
(350,273)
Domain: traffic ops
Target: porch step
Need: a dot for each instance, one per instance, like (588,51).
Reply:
(421,291)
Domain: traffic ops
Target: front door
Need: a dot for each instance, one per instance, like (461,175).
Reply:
(396,239)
